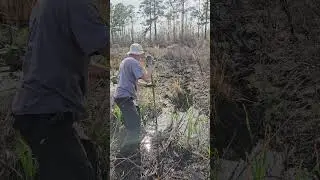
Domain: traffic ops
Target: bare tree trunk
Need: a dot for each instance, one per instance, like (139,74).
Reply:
(182,20)
(155,21)
(150,23)
(205,26)
(178,29)
(199,20)
(121,32)
(112,36)
(193,34)
(168,32)
(174,29)
(186,24)
(202,32)
(132,32)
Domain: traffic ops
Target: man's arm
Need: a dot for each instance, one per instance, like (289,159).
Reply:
(88,28)
(147,74)
(141,73)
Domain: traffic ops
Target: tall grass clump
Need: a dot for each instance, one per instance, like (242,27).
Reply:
(28,163)
(117,114)
(214,156)
(192,131)
(259,166)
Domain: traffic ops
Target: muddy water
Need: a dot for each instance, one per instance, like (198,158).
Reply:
(166,121)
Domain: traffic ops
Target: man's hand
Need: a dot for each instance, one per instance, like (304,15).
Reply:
(147,75)
(149,61)
(142,63)
(145,84)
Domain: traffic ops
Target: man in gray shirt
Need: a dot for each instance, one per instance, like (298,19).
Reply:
(63,35)
(130,71)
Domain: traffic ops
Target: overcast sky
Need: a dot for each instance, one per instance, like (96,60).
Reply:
(136,4)
(127,2)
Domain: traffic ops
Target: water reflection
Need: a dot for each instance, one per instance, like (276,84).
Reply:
(146,143)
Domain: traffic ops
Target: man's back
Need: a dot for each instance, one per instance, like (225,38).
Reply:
(129,72)
(63,33)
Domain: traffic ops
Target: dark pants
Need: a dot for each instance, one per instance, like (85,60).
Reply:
(132,124)
(56,146)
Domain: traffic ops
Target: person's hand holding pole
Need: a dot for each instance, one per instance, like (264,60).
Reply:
(149,63)
(147,76)
(150,67)
(142,63)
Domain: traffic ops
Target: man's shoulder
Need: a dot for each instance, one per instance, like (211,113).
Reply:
(130,61)
(128,58)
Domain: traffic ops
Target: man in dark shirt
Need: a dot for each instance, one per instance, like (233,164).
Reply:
(63,35)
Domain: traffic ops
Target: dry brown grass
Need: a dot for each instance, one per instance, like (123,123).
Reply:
(180,98)
(18,11)
(15,11)
(219,81)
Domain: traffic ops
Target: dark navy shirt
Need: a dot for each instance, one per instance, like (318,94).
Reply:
(63,34)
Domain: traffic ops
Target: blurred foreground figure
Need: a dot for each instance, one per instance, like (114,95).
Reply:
(63,35)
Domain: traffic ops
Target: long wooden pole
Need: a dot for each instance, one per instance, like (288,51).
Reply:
(156,123)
